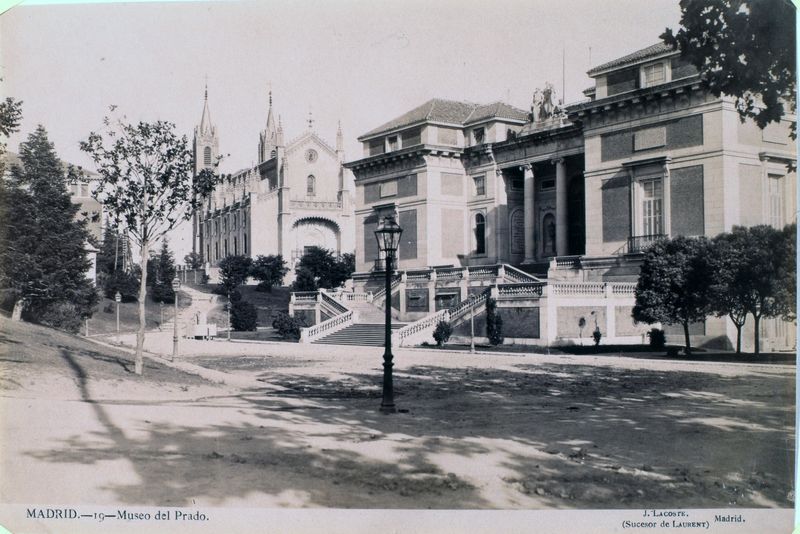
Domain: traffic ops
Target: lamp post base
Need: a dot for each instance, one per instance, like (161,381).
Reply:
(390,408)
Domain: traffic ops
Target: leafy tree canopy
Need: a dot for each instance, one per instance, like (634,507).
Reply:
(328,271)
(43,257)
(147,186)
(673,285)
(193,260)
(742,48)
(234,271)
(161,273)
(269,271)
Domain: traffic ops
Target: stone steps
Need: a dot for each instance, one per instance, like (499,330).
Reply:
(360,334)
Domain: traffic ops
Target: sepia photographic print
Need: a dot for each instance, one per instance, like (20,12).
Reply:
(428,266)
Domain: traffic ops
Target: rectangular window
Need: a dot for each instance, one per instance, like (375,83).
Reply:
(518,183)
(652,207)
(547,185)
(389,189)
(654,74)
(391,143)
(480,185)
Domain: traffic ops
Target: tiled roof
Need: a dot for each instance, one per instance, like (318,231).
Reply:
(640,55)
(496,110)
(449,112)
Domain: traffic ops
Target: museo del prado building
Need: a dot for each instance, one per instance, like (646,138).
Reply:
(549,210)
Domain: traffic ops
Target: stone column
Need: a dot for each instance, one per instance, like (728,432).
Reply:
(528,196)
(562,226)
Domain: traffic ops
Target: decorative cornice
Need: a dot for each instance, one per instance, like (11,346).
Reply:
(404,153)
(676,87)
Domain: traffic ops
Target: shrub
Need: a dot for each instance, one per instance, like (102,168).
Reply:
(244,316)
(63,316)
(304,280)
(442,333)
(127,283)
(658,339)
(287,326)
(494,323)
(597,335)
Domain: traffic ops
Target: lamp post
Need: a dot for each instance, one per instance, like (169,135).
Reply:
(117,299)
(176,284)
(388,236)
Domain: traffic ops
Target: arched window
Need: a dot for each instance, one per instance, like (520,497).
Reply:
(207,155)
(311,185)
(480,233)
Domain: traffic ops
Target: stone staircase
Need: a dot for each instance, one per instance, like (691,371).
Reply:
(361,334)
(368,331)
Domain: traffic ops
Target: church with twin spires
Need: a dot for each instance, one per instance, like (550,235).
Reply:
(298,195)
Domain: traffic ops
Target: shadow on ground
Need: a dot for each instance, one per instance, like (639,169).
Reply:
(551,436)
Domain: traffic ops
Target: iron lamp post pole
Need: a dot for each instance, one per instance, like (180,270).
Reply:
(176,284)
(388,235)
(387,404)
(117,300)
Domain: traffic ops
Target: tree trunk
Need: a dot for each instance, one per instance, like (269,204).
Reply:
(139,362)
(739,338)
(19,305)
(757,334)
(688,349)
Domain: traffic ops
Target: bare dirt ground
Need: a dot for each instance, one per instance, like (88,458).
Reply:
(489,431)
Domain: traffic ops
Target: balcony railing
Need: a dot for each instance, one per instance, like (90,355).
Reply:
(638,244)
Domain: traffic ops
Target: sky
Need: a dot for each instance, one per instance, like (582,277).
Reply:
(358,62)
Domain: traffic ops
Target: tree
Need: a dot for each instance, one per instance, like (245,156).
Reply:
(328,271)
(234,271)
(162,272)
(304,280)
(755,269)
(742,48)
(146,186)
(442,333)
(729,296)
(43,259)
(10,116)
(674,284)
(193,260)
(269,271)
(494,323)
(112,275)
(244,316)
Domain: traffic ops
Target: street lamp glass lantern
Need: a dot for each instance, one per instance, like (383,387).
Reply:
(388,235)
(176,284)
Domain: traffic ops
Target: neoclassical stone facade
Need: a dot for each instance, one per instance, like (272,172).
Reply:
(576,194)
(299,195)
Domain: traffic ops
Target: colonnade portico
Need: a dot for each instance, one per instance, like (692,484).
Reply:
(529,203)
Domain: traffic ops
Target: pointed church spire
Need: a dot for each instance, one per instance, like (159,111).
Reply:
(205,122)
(339,138)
